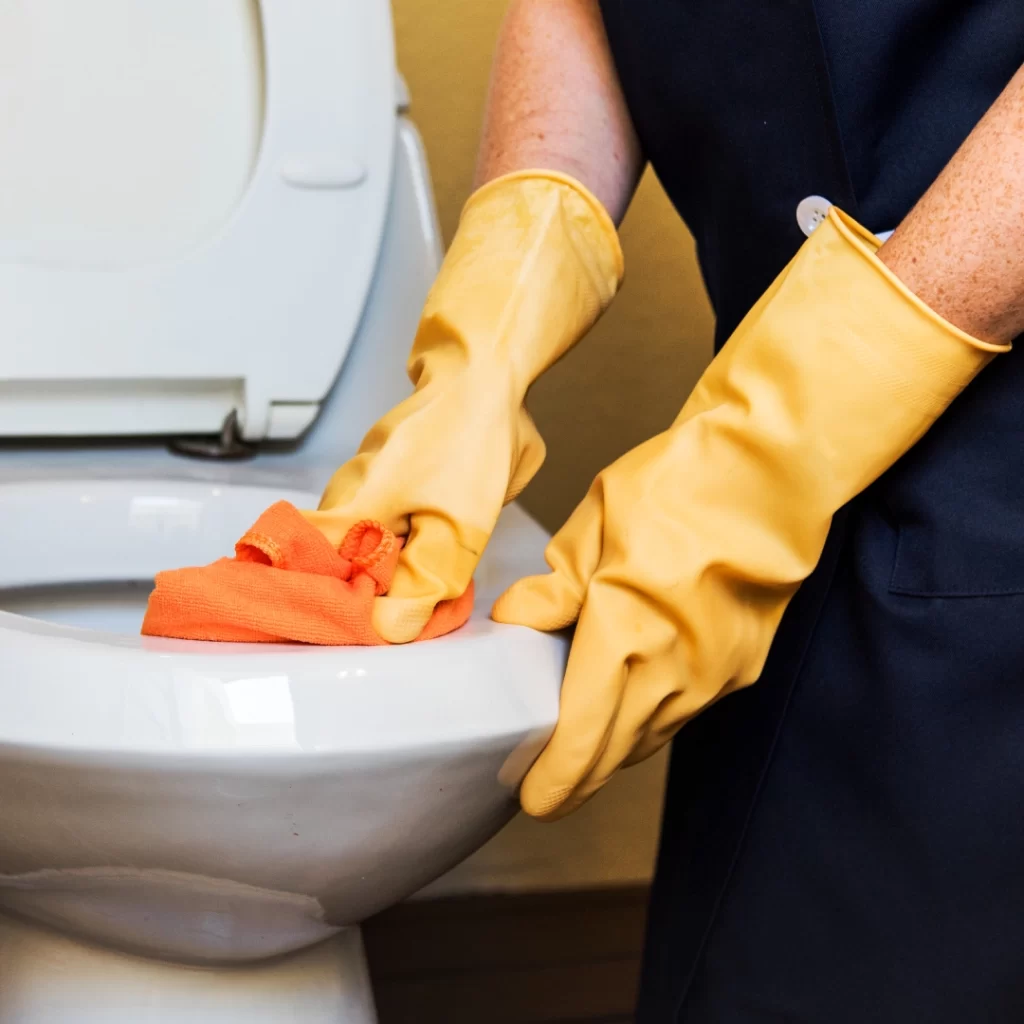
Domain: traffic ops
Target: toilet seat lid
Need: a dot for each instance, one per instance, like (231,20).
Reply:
(256,318)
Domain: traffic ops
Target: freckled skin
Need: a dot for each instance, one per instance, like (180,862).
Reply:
(961,249)
(555,103)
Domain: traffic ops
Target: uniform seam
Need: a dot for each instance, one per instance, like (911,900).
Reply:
(828,107)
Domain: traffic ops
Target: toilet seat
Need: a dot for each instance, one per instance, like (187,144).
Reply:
(256,319)
(146,695)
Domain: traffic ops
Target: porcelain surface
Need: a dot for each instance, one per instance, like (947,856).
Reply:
(219,802)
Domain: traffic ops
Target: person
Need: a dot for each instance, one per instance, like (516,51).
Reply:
(837,514)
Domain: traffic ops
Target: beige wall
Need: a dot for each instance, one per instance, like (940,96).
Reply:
(627,380)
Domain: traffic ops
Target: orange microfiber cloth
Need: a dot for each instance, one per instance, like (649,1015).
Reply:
(286,583)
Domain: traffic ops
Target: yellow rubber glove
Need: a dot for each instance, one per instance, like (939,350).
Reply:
(683,556)
(534,263)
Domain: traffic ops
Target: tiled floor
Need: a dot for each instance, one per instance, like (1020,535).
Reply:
(558,958)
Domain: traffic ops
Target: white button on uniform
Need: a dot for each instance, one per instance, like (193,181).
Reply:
(810,212)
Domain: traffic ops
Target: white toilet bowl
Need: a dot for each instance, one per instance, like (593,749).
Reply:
(216,805)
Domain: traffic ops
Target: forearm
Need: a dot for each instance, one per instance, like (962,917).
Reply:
(555,102)
(961,249)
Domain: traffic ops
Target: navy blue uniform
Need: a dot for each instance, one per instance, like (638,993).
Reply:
(843,843)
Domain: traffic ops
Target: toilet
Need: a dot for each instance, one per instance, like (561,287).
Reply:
(215,241)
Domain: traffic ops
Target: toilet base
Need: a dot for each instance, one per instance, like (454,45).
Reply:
(47,978)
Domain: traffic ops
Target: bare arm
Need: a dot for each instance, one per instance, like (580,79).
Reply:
(961,249)
(555,102)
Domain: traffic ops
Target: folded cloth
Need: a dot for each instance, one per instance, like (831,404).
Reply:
(287,583)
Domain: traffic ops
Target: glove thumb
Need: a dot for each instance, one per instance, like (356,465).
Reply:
(546,602)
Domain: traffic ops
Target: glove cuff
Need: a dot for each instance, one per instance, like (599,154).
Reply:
(535,261)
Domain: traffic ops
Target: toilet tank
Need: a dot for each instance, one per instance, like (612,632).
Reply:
(193,202)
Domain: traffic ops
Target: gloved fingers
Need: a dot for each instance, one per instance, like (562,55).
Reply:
(436,564)
(545,603)
(340,508)
(553,601)
(628,734)
(684,700)
(607,765)
(353,496)
(335,524)
(650,744)
(653,703)
(592,692)
(661,727)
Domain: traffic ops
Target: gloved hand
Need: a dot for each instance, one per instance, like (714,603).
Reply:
(534,263)
(681,559)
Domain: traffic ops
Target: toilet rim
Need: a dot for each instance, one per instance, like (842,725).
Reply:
(83,690)
(69,688)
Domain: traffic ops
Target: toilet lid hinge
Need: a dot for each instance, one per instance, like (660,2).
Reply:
(228,445)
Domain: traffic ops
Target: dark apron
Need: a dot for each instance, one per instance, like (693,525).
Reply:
(844,841)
